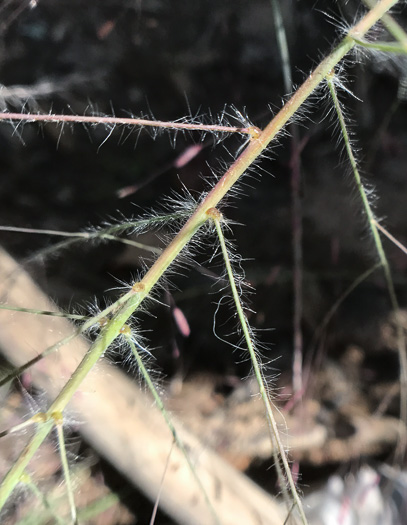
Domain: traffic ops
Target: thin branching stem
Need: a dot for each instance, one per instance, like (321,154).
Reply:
(385,47)
(329,315)
(126,331)
(28,481)
(391,25)
(101,316)
(39,417)
(78,237)
(276,442)
(401,342)
(34,311)
(122,121)
(58,419)
(334,308)
(282,44)
(157,499)
(296,203)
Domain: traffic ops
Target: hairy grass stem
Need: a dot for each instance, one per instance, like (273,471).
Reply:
(279,452)
(401,341)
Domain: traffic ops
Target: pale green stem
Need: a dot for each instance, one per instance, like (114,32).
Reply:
(391,25)
(170,425)
(276,442)
(296,213)
(157,499)
(385,47)
(100,234)
(36,418)
(14,475)
(131,301)
(401,342)
(65,466)
(86,326)
(74,317)
(282,44)
(27,480)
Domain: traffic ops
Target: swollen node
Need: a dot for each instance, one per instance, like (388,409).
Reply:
(254,132)
(40,417)
(58,417)
(125,330)
(214,214)
(138,287)
(103,321)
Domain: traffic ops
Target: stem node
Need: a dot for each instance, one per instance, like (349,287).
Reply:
(214,214)
(138,287)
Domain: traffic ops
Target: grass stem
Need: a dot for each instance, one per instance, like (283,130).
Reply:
(401,341)
(276,443)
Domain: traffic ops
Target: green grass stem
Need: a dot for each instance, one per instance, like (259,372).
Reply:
(401,341)
(58,419)
(385,47)
(391,25)
(28,481)
(99,235)
(146,376)
(276,443)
